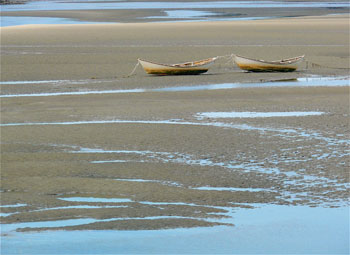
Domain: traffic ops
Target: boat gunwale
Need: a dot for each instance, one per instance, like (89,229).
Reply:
(180,65)
(281,62)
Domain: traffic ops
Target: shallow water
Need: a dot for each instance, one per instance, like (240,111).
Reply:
(168,183)
(96,92)
(326,148)
(103,5)
(279,229)
(299,82)
(217,115)
(284,133)
(281,132)
(234,189)
(96,199)
(192,15)
(211,18)
(289,179)
(10,206)
(54,82)
(267,229)
(66,208)
(185,15)
(2,214)
(6,228)
(7,21)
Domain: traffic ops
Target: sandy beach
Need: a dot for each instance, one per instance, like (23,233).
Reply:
(94,145)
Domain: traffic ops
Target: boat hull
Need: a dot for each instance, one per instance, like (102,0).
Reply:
(252,65)
(175,71)
(162,69)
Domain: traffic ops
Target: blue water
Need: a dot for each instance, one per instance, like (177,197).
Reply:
(299,82)
(270,229)
(217,115)
(95,199)
(183,14)
(103,5)
(168,7)
(7,21)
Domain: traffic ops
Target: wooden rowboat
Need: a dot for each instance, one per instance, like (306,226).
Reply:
(254,65)
(195,67)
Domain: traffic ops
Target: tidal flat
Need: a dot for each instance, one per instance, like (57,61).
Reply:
(174,164)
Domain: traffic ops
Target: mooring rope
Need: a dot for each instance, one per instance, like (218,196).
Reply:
(230,59)
(314,65)
(134,70)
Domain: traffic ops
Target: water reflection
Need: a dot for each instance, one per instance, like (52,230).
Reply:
(299,82)
(266,229)
(217,115)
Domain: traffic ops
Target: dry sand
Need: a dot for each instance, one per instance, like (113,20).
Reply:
(42,163)
(41,52)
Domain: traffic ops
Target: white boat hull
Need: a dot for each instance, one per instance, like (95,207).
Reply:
(189,68)
(253,65)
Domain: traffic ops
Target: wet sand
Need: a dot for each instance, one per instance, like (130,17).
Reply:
(282,160)
(160,15)
(60,52)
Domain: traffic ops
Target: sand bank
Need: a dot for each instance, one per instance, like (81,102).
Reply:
(105,51)
(174,15)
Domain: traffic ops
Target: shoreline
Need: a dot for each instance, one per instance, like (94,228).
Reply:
(172,11)
(151,16)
